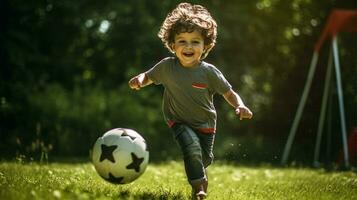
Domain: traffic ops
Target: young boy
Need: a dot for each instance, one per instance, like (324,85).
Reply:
(190,33)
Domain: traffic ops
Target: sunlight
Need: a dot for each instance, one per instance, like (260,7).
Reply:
(104,26)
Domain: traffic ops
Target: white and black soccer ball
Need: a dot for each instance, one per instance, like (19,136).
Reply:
(120,156)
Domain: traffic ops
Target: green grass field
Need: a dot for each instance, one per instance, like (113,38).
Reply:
(167,181)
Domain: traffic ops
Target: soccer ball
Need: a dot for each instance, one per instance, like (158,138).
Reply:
(120,156)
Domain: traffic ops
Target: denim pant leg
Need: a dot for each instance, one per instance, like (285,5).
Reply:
(197,150)
(207,142)
(190,144)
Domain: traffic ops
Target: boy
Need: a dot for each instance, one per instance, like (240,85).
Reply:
(190,33)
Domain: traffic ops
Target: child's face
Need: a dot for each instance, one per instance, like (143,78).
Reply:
(189,48)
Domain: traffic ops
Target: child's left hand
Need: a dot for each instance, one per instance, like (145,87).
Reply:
(244,112)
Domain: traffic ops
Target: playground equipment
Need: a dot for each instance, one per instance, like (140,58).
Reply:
(338,21)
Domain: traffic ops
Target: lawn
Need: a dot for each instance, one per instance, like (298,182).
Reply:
(167,181)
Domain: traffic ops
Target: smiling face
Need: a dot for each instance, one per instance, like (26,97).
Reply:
(189,47)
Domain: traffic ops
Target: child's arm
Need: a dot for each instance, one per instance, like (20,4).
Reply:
(234,100)
(139,81)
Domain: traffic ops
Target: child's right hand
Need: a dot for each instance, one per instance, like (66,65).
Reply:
(137,82)
(244,112)
(134,83)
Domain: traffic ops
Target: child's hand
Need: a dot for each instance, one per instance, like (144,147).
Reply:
(136,82)
(244,112)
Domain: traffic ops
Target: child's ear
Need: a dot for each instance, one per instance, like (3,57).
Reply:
(208,47)
(172,47)
(206,50)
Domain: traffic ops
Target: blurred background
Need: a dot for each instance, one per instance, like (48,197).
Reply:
(65,65)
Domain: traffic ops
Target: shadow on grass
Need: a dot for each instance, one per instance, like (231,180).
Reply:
(150,195)
(70,160)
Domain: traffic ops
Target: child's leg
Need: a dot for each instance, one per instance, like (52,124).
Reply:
(190,146)
(207,142)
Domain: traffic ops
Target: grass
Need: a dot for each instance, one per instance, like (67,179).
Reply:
(167,181)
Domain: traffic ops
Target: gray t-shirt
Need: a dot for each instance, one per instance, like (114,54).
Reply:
(188,94)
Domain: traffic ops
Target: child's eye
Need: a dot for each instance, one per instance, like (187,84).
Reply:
(181,41)
(196,42)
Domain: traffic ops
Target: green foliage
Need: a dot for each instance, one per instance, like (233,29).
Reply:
(167,181)
(65,65)
(79,117)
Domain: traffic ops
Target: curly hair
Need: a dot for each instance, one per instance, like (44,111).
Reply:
(188,18)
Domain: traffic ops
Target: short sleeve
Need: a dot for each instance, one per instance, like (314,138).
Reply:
(218,83)
(157,73)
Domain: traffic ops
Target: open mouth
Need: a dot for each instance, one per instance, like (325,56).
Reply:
(188,54)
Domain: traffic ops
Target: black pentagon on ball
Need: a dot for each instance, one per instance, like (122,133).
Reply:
(136,162)
(116,180)
(126,134)
(107,153)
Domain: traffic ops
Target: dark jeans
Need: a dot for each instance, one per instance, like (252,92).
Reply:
(197,150)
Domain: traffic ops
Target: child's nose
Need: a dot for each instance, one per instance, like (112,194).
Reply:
(189,45)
